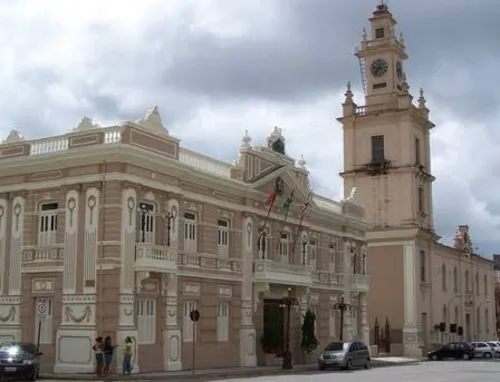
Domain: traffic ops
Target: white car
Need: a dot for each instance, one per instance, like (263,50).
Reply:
(496,347)
(482,349)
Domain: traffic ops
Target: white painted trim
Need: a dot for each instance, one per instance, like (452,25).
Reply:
(410,292)
(390,243)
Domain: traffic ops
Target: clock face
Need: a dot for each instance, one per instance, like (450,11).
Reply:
(379,67)
(399,69)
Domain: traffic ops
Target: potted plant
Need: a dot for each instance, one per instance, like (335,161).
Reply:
(309,342)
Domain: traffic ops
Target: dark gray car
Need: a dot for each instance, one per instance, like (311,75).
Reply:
(344,355)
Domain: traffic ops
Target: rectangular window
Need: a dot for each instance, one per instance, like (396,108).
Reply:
(283,248)
(331,323)
(423,276)
(486,320)
(378,154)
(313,248)
(485,285)
(47,230)
(190,232)
(146,211)
(457,318)
(445,314)
(421,199)
(46,331)
(478,321)
(380,85)
(223,321)
(417,151)
(379,33)
(146,320)
(263,243)
(455,279)
(223,238)
(188,334)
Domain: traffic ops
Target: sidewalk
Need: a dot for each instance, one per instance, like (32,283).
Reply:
(223,373)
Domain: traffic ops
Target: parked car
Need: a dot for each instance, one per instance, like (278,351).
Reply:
(482,349)
(496,347)
(345,355)
(454,350)
(19,360)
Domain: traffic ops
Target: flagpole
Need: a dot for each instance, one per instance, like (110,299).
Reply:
(262,230)
(287,205)
(282,227)
(299,228)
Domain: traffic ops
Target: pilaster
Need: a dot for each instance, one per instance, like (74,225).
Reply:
(172,339)
(3,238)
(248,341)
(91,237)
(127,322)
(411,344)
(365,328)
(16,244)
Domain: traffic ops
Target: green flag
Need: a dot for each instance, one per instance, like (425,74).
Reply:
(288,202)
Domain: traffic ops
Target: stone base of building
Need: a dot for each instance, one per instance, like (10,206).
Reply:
(120,340)
(248,347)
(172,342)
(412,350)
(74,352)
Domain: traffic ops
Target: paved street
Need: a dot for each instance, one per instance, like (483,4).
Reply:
(453,371)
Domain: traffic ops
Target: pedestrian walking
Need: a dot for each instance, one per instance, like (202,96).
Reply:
(109,350)
(99,355)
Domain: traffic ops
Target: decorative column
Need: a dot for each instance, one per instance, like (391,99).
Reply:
(348,247)
(411,343)
(126,324)
(91,237)
(3,237)
(10,321)
(365,329)
(78,321)
(172,337)
(248,341)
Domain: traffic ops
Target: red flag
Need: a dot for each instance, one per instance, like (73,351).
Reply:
(272,197)
(303,208)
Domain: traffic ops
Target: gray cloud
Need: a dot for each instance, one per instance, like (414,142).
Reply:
(299,55)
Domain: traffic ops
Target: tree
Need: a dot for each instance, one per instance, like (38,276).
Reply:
(309,341)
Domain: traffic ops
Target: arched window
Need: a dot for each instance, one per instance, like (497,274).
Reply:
(284,247)
(477,284)
(147,222)
(467,281)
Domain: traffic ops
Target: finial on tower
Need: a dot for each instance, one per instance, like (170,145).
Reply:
(364,36)
(401,39)
(348,93)
(245,141)
(421,99)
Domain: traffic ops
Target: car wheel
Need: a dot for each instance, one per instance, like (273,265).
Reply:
(33,376)
(487,355)
(348,364)
(434,357)
(465,356)
(368,364)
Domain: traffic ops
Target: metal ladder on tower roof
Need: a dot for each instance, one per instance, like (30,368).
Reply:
(362,69)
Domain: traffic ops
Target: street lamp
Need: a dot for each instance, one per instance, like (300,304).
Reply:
(343,307)
(169,216)
(262,242)
(287,355)
(143,210)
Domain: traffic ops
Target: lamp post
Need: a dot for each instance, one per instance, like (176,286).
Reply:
(343,307)
(262,242)
(143,210)
(287,304)
(169,216)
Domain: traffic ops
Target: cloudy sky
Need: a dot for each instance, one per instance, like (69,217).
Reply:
(219,67)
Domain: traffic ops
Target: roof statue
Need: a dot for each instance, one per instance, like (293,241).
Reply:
(276,140)
(14,136)
(85,124)
(152,121)
(246,140)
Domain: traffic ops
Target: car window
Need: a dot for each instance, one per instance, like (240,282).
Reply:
(482,345)
(9,347)
(492,344)
(452,346)
(354,346)
(336,346)
(362,346)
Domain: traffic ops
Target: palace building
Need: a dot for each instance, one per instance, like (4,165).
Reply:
(121,231)
(418,285)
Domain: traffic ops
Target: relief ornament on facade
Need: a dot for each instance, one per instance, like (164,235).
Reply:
(70,316)
(10,316)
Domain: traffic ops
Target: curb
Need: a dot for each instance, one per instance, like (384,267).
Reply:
(209,376)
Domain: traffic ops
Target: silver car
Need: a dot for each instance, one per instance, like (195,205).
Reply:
(482,349)
(344,355)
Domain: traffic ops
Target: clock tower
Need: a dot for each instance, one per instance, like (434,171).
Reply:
(381,58)
(387,169)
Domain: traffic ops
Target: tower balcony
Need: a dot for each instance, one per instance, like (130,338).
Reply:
(274,272)
(155,258)
(359,283)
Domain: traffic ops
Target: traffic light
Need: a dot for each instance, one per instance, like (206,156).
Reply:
(460,331)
